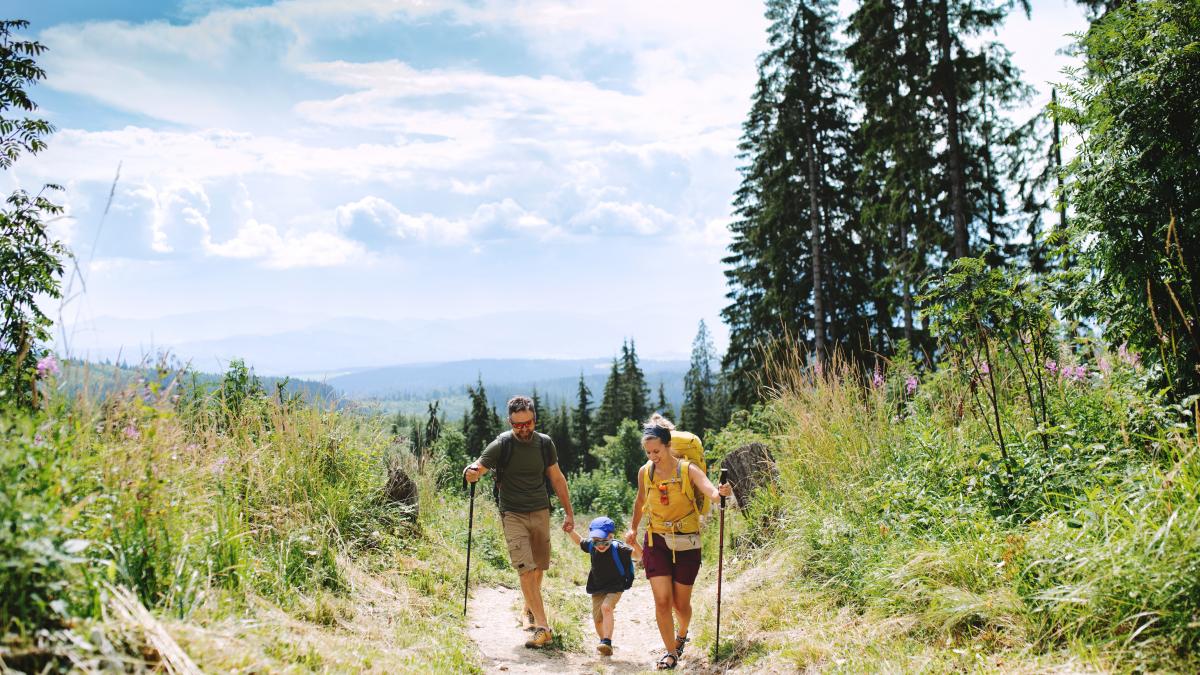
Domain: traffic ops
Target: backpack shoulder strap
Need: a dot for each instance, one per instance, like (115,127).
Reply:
(617,559)
(542,438)
(685,482)
(505,451)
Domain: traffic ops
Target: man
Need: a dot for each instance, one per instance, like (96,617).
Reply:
(525,505)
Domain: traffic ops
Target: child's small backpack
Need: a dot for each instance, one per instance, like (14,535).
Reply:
(626,573)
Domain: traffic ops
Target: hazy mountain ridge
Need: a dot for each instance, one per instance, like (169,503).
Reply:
(279,342)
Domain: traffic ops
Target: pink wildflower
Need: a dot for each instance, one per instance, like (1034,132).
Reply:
(48,365)
(910,385)
(131,432)
(1076,373)
(1130,358)
(984,368)
(1104,366)
(877,378)
(218,469)
(1052,366)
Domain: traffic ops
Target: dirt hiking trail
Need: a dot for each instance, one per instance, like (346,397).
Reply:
(495,625)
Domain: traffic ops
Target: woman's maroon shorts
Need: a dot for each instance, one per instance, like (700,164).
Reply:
(657,559)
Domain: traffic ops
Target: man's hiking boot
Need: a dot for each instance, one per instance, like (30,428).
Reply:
(530,622)
(605,647)
(541,638)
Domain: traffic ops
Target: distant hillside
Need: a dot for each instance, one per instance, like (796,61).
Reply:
(101,379)
(408,388)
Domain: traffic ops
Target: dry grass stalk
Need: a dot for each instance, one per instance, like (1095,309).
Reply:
(131,614)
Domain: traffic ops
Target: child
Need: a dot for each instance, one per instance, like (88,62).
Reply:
(611,575)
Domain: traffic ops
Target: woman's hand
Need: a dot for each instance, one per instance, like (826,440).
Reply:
(723,490)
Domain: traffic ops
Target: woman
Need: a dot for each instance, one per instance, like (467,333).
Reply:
(667,488)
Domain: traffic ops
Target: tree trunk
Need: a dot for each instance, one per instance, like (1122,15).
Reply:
(949,87)
(751,467)
(401,489)
(815,242)
(907,281)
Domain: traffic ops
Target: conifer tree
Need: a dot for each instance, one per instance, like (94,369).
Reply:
(633,380)
(582,424)
(613,404)
(481,423)
(558,427)
(793,197)
(699,385)
(664,407)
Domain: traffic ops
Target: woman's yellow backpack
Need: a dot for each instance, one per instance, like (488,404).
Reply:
(686,445)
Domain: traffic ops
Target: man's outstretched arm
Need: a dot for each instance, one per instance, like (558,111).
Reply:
(559,482)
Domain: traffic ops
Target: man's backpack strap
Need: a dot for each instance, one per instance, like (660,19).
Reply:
(506,452)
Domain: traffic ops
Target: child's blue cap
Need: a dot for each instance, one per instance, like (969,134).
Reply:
(601,527)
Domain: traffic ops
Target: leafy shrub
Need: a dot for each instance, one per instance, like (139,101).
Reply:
(43,573)
(602,492)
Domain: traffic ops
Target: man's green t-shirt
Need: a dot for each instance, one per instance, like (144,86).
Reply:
(522,489)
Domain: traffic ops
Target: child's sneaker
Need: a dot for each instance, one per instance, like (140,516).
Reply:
(541,638)
(605,647)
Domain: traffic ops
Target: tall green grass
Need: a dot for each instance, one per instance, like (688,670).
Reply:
(214,504)
(895,506)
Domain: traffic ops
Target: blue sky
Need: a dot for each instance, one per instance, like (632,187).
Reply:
(541,160)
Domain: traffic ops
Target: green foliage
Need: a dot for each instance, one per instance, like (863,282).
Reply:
(622,454)
(602,492)
(700,405)
(30,262)
(1136,103)
(581,424)
(996,326)
(43,549)
(626,395)
(450,453)
(893,501)
(480,425)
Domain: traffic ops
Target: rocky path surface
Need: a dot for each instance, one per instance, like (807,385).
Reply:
(495,625)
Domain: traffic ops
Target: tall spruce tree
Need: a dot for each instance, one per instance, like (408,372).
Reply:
(952,172)
(481,424)
(792,201)
(581,418)
(637,392)
(663,407)
(558,427)
(699,385)
(613,406)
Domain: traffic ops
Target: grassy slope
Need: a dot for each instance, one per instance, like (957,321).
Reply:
(258,537)
(891,547)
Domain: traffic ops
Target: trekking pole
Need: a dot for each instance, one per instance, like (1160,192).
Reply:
(470,528)
(720,569)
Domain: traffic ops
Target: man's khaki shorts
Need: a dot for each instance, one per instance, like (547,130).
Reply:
(528,538)
(600,600)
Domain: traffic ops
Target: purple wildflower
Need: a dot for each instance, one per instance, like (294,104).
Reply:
(877,378)
(131,431)
(1130,358)
(1076,373)
(48,365)
(1052,366)
(910,385)
(218,469)
(1104,366)
(984,368)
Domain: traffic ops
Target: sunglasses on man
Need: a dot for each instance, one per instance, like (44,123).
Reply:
(522,425)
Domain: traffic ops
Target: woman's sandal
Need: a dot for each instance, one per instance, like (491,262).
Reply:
(663,665)
(680,642)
